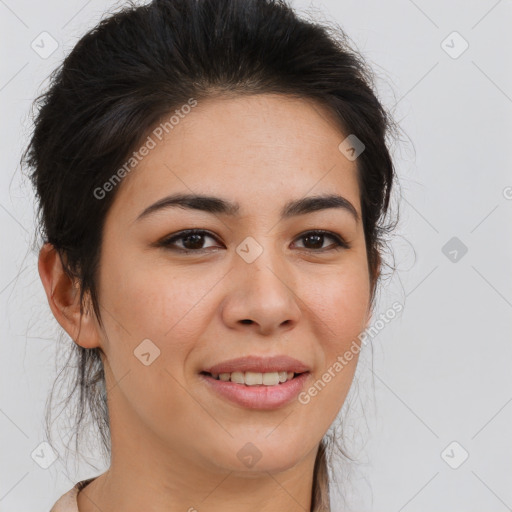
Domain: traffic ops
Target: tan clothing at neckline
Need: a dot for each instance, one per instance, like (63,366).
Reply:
(68,502)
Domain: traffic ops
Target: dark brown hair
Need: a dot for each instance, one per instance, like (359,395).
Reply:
(138,65)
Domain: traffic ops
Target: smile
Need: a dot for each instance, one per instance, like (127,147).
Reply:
(256,395)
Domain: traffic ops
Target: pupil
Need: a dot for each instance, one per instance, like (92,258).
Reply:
(318,237)
(198,240)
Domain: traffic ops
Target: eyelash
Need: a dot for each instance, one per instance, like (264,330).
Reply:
(339,242)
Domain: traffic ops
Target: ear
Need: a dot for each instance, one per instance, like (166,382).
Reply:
(64,299)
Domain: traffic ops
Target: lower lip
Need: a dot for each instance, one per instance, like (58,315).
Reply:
(259,396)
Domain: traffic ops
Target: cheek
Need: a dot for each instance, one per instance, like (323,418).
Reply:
(338,308)
(340,313)
(151,303)
(156,302)
(339,301)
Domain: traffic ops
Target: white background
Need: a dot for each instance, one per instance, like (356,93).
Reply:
(441,371)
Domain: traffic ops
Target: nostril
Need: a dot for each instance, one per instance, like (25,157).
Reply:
(247,321)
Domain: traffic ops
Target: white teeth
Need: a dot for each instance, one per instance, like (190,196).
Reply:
(270,379)
(255,378)
(237,377)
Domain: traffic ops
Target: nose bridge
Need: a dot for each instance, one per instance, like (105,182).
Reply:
(261,259)
(264,289)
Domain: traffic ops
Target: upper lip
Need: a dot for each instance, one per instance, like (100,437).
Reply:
(258,364)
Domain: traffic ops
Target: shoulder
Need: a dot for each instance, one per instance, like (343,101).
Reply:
(68,501)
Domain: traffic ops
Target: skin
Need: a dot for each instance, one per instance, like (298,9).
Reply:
(175,442)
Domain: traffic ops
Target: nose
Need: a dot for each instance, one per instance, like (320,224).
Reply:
(262,296)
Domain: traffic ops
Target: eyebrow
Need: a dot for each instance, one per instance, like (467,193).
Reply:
(217,205)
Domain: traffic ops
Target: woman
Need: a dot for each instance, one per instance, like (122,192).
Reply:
(212,178)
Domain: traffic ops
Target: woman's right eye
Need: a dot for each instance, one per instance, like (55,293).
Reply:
(191,239)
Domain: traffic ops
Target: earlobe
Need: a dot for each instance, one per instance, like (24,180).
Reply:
(63,294)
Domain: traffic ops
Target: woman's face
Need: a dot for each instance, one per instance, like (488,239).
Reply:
(256,284)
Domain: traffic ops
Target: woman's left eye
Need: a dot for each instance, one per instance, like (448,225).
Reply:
(318,236)
(193,239)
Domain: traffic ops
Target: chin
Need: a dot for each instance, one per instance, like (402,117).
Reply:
(254,458)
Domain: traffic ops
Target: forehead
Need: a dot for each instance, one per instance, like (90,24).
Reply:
(262,150)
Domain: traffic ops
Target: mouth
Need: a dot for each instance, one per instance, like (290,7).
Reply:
(253,390)
(256,382)
(277,378)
